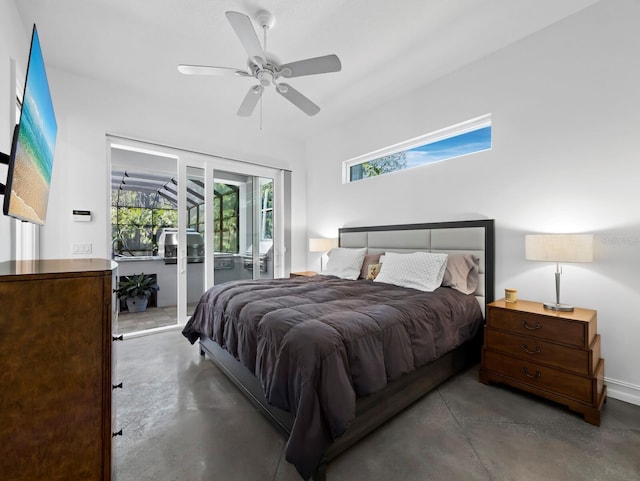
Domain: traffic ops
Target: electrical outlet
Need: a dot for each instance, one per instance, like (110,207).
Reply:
(75,248)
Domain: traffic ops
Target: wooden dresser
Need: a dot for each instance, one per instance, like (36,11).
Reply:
(56,366)
(553,354)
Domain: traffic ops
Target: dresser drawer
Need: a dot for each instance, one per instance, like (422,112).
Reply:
(573,333)
(573,386)
(580,361)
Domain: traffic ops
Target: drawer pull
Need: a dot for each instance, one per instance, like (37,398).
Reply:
(117,433)
(118,338)
(527,326)
(532,376)
(525,348)
(117,386)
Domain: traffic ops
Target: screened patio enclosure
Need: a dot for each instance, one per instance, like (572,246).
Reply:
(144,204)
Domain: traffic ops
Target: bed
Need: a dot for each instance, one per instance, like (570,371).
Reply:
(347,355)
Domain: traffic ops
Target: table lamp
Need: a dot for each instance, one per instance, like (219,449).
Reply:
(323,245)
(559,248)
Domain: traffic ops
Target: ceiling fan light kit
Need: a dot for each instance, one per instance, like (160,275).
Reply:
(265,69)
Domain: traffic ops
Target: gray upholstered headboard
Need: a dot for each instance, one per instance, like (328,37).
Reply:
(473,236)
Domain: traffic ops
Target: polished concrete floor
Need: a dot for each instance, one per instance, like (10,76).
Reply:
(182,420)
(152,318)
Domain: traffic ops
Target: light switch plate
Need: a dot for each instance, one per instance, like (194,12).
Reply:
(81,248)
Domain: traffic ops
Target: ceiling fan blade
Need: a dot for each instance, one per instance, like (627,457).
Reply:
(210,70)
(297,99)
(247,35)
(250,101)
(311,66)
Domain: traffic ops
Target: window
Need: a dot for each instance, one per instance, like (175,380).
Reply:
(226,213)
(196,218)
(226,232)
(18,109)
(461,139)
(136,218)
(19,94)
(266,209)
(195,202)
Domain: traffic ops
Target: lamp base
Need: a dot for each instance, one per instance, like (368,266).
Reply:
(554,306)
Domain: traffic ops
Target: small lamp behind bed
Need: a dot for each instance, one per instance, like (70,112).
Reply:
(323,245)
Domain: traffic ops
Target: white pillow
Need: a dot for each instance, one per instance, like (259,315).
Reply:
(345,263)
(419,270)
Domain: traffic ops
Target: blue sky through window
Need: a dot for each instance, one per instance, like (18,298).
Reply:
(470,142)
(474,141)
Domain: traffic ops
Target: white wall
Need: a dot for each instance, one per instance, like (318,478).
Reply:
(14,44)
(566,112)
(87,109)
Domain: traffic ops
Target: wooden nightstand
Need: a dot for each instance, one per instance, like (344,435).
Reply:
(553,354)
(303,274)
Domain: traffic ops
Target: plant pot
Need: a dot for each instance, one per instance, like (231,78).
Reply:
(137,304)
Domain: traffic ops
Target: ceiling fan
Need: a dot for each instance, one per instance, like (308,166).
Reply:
(262,66)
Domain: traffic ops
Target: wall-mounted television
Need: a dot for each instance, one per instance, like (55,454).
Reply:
(30,162)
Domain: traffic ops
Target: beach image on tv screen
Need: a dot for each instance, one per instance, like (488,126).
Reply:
(35,144)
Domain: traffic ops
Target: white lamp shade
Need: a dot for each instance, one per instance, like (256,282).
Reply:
(559,247)
(322,245)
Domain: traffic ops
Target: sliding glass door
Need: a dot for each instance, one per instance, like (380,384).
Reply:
(191,221)
(231,226)
(192,272)
(243,230)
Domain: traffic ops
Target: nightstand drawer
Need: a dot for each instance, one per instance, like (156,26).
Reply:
(580,361)
(576,387)
(543,327)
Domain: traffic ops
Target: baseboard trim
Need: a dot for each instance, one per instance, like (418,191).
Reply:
(623,391)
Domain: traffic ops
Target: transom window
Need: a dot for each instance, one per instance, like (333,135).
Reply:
(461,139)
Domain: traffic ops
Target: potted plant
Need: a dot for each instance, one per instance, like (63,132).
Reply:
(135,290)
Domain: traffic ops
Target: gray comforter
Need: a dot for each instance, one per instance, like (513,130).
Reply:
(318,343)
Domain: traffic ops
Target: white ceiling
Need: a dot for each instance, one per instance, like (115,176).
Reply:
(386,48)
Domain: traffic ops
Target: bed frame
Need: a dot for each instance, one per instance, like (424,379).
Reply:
(476,237)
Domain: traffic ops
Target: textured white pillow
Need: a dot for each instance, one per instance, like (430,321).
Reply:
(419,270)
(345,263)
